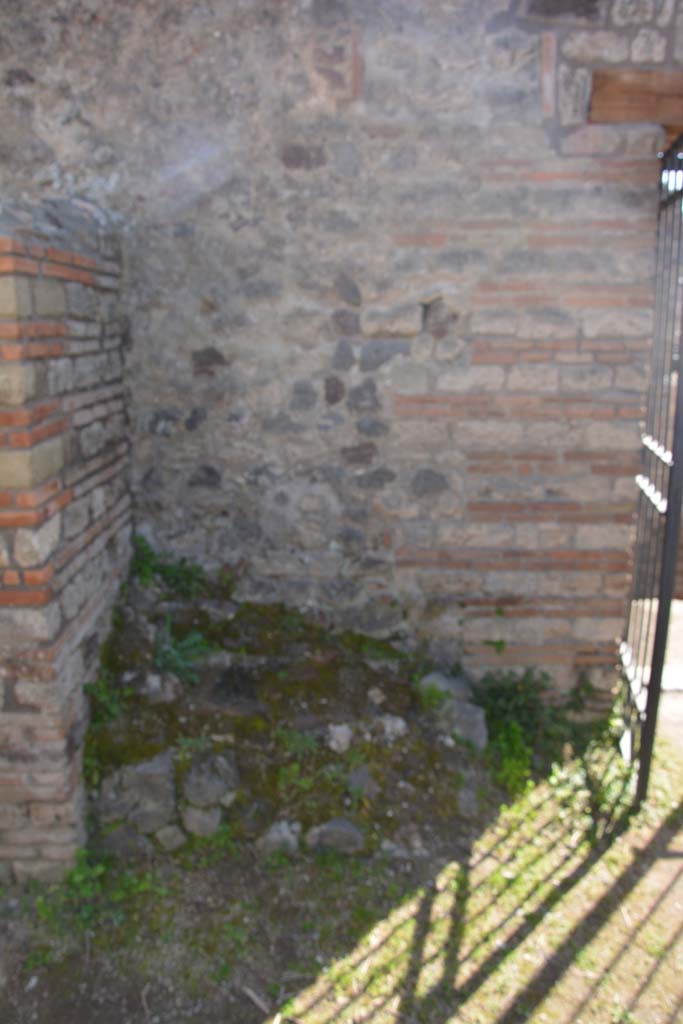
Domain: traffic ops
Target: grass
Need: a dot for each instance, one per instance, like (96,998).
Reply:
(551,887)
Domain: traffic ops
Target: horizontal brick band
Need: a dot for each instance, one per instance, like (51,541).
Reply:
(35,516)
(520,406)
(29,438)
(67,273)
(564,464)
(29,414)
(512,560)
(25,598)
(14,329)
(516,607)
(523,655)
(31,350)
(14,248)
(554,511)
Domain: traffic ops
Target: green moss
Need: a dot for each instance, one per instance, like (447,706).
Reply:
(370,647)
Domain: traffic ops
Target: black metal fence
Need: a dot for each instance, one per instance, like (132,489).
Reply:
(661,486)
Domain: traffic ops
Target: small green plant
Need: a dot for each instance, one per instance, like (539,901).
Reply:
(207,851)
(298,744)
(180,656)
(510,758)
(527,731)
(180,577)
(108,701)
(189,745)
(94,892)
(497,645)
(289,776)
(430,697)
(277,860)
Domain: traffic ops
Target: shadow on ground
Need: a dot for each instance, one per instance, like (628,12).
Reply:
(558,907)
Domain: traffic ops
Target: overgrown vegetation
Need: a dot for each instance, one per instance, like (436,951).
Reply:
(350,927)
(528,729)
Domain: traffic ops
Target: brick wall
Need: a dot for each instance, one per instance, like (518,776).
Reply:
(390,296)
(64,513)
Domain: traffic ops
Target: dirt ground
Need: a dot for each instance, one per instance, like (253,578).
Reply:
(463,906)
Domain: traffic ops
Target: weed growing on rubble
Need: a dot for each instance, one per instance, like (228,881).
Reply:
(180,577)
(180,655)
(527,731)
(108,701)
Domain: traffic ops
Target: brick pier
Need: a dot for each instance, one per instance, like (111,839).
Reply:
(64,514)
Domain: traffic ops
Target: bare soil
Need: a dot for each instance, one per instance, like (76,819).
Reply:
(553,907)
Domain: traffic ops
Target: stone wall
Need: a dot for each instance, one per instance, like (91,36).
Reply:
(389,294)
(64,513)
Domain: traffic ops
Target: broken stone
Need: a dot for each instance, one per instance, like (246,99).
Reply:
(359,454)
(428,482)
(346,321)
(439,318)
(395,851)
(212,779)
(648,47)
(339,738)
(632,12)
(403,320)
(201,821)
(283,837)
(298,157)
(595,46)
(207,361)
(142,794)
(161,688)
(450,686)
(127,844)
(456,714)
(334,390)
(371,428)
(347,289)
(337,834)
(304,396)
(205,476)
(343,358)
(468,804)
(362,783)
(378,351)
(170,838)
(376,479)
(363,397)
(393,727)
(574,85)
(466,720)
(410,840)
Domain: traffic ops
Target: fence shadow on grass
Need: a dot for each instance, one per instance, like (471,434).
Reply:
(492,939)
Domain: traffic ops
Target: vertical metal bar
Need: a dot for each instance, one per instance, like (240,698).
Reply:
(658,524)
(639,611)
(666,589)
(664,329)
